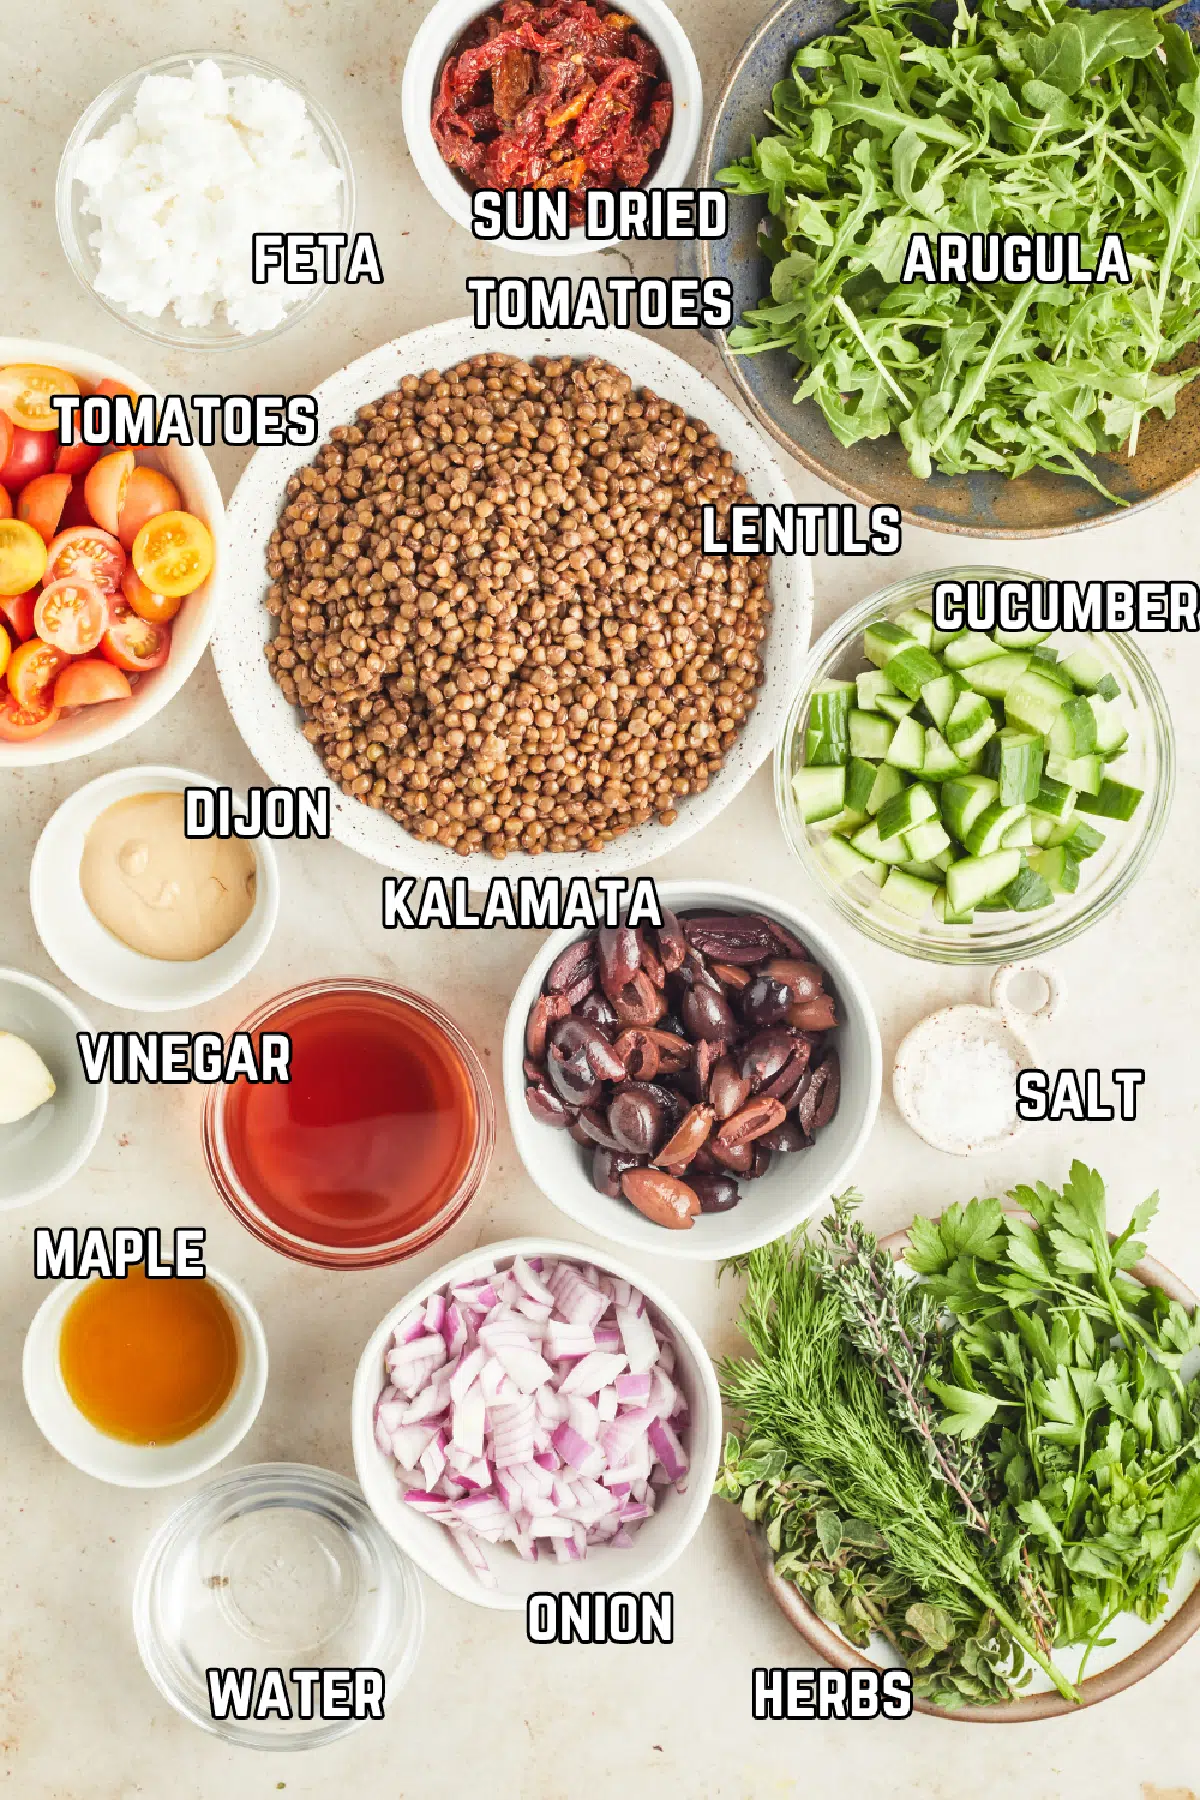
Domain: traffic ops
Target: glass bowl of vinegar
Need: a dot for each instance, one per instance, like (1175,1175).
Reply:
(376,1143)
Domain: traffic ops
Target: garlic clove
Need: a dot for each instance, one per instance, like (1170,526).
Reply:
(25,1081)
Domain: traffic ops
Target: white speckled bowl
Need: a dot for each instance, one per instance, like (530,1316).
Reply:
(271,727)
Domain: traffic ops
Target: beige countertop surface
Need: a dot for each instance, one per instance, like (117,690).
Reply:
(486,1711)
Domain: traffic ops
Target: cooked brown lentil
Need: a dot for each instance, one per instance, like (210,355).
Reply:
(494,612)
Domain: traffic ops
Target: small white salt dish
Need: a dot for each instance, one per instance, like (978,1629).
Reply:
(953,1032)
(48,1146)
(88,954)
(437,36)
(110,1459)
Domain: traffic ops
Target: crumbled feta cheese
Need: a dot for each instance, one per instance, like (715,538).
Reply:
(180,185)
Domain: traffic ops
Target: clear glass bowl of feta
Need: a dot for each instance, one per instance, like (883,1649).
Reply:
(995,933)
(170,172)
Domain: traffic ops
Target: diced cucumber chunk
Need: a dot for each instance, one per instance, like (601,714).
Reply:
(1074,732)
(925,871)
(918,624)
(1057,867)
(987,833)
(870,734)
(1112,800)
(1046,663)
(1043,829)
(871,684)
(928,841)
(1019,640)
(847,822)
(970,748)
(846,862)
(911,667)
(1034,702)
(820,792)
(908,893)
(860,782)
(869,843)
(888,781)
(883,639)
(998,673)
(911,806)
(827,739)
(1014,758)
(1019,835)
(1082,839)
(943,914)
(944,858)
(976,878)
(940,760)
(1054,797)
(938,697)
(895,706)
(907,748)
(969,712)
(966,648)
(1112,734)
(963,799)
(1082,772)
(1027,891)
(1088,672)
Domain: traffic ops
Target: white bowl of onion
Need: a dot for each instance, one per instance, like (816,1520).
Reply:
(481,1551)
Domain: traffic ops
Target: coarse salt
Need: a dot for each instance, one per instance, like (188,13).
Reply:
(182,182)
(963,1088)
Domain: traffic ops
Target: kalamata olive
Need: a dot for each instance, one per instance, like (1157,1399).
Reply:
(784,1139)
(636,1121)
(593,1123)
(684,1142)
(576,1038)
(547,1108)
(738,1157)
(671,1022)
(730,937)
(803,980)
(572,1077)
(766,1053)
(755,1118)
(639,1053)
(813,1015)
(706,1014)
(763,1003)
(731,975)
(575,1130)
(704,1163)
(650,960)
(674,1050)
(579,989)
(787,943)
(663,1199)
(831,1092)
(693,971)
(608,1166)
(570,964)
(533,1071)
(619,956)
(760,1162)
(672,945)
(716,1193)
(542,1014)
(786,1085)
(597,1010)
(810,1099)
(639,1002)
(728,1089)
(706,1053)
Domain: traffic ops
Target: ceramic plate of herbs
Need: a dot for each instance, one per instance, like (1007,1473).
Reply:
(978,1457)
(983,407)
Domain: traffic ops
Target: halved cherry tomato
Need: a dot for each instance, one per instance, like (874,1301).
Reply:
(18,723)
(89,681)
(6,437)
(5,504)
(22,556)
(5,649)
(75,512)
(41,501)
(18,613)
(158,608)
(32,671)
(104,487)
(76,458)
(86,553)
(135,644)
(150,494)
(29,453)
(173,554)
(72,615)
(25,390)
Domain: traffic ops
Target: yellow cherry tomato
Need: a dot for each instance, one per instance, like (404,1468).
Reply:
(173,553)
(25,390)
(5,649)
(22,556)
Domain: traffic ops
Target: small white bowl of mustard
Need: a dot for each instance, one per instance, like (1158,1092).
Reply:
(136,913)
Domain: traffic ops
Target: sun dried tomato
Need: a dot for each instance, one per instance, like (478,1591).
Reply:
(552,93)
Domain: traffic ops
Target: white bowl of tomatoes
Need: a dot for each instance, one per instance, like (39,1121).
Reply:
(108,564)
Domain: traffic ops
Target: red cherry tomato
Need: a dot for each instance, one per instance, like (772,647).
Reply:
(33,669)
(6,511)
(90,681)
(30,453)
(149,494)
(105,486)
(72,615)
(135,644)
(40,503)
(19,723)
(6,437)
(86,553)
(18,613)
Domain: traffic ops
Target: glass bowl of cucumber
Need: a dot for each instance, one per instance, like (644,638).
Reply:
(972,797)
